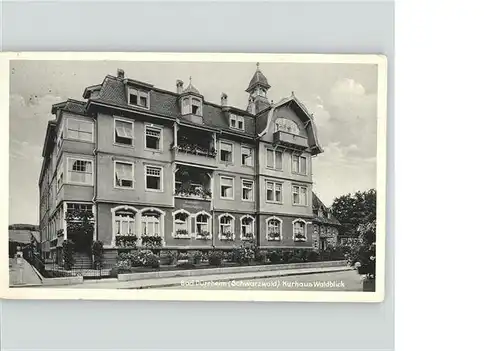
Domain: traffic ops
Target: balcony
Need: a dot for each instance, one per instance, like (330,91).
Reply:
(195,147)
(193,183)
(290,140)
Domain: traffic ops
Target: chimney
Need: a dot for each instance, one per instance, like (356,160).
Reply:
(223,100)
(120,73)
(180,85)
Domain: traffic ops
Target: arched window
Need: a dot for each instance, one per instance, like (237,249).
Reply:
(202,224)
(125,220)
(181,223)
(247,227)
(286,125)
(152,222)
(226,227)
(274,229)
(299,230)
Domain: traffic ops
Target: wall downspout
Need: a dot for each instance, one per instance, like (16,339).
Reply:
(96,161)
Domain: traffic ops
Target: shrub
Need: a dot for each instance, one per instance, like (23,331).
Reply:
(68,254)
(182,256)
(261,256)
(286,255)
(98,253)
(312,256)
(170,257)
(215,258)
(121,267)
(141,258)
(194,257)
(275,256)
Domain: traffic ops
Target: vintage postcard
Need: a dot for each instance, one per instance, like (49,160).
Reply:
(229,177)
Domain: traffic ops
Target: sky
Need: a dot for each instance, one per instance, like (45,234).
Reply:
(342,98)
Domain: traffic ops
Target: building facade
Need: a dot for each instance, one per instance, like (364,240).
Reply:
(326,228)
(170,170)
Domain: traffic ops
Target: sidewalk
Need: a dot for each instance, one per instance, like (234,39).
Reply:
(177,281)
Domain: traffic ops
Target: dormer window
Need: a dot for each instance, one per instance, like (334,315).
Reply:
(237,122)
(137,97)
(192,106)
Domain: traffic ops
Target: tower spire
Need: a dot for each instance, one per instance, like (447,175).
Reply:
(257,89)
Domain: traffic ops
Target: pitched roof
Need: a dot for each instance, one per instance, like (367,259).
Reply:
(258,79)
(318,204)
(23,236)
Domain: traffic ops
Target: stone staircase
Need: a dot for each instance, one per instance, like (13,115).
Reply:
(82,261)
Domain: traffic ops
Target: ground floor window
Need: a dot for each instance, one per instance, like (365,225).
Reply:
(151,223)
(125,223)
(203,225)
(247,227)
(274,228)
(226,227)
(181,223)
(299,230)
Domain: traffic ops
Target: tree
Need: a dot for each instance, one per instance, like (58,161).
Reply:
(362,252)
(355,209)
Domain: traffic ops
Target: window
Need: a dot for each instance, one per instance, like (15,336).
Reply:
(299,164)
(154,178)
(138,97)
(273,192)
(247,190)
(286,125)
(237,122)
(247,227)
(153,138)
(299,230)
(195,107)
(226,187)
(80,130)
(299,195)
(246,156)
(273,229)
(274,159)
(124,132)
(192,105)
(124,175)
(150,222)
(202,223)
(181,223)
(226,152)
(124,222)
(226,227)
(80,171)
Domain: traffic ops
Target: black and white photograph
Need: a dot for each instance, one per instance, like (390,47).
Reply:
(195,176)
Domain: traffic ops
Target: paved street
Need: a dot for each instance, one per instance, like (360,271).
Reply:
(333,281)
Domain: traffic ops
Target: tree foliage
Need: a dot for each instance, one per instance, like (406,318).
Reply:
(355,209)
(361,253)
(80,221)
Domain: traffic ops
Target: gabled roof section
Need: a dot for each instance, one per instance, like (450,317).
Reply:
(265,117)
(69,105)
(318,204)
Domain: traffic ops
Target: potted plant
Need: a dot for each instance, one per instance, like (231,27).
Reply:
(300,237)
(227,236)
(203,235)
(151,240)
(182,234)
(127,241)
(274,236)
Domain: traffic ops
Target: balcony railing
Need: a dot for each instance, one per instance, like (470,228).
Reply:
(290,139)
(196,193)
(195,149)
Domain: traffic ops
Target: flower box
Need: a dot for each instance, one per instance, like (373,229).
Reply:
(204,235)
(227,236)
(151,240)
(129,240)
(182,234)
(299,237)
(274,236)
(247,236)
